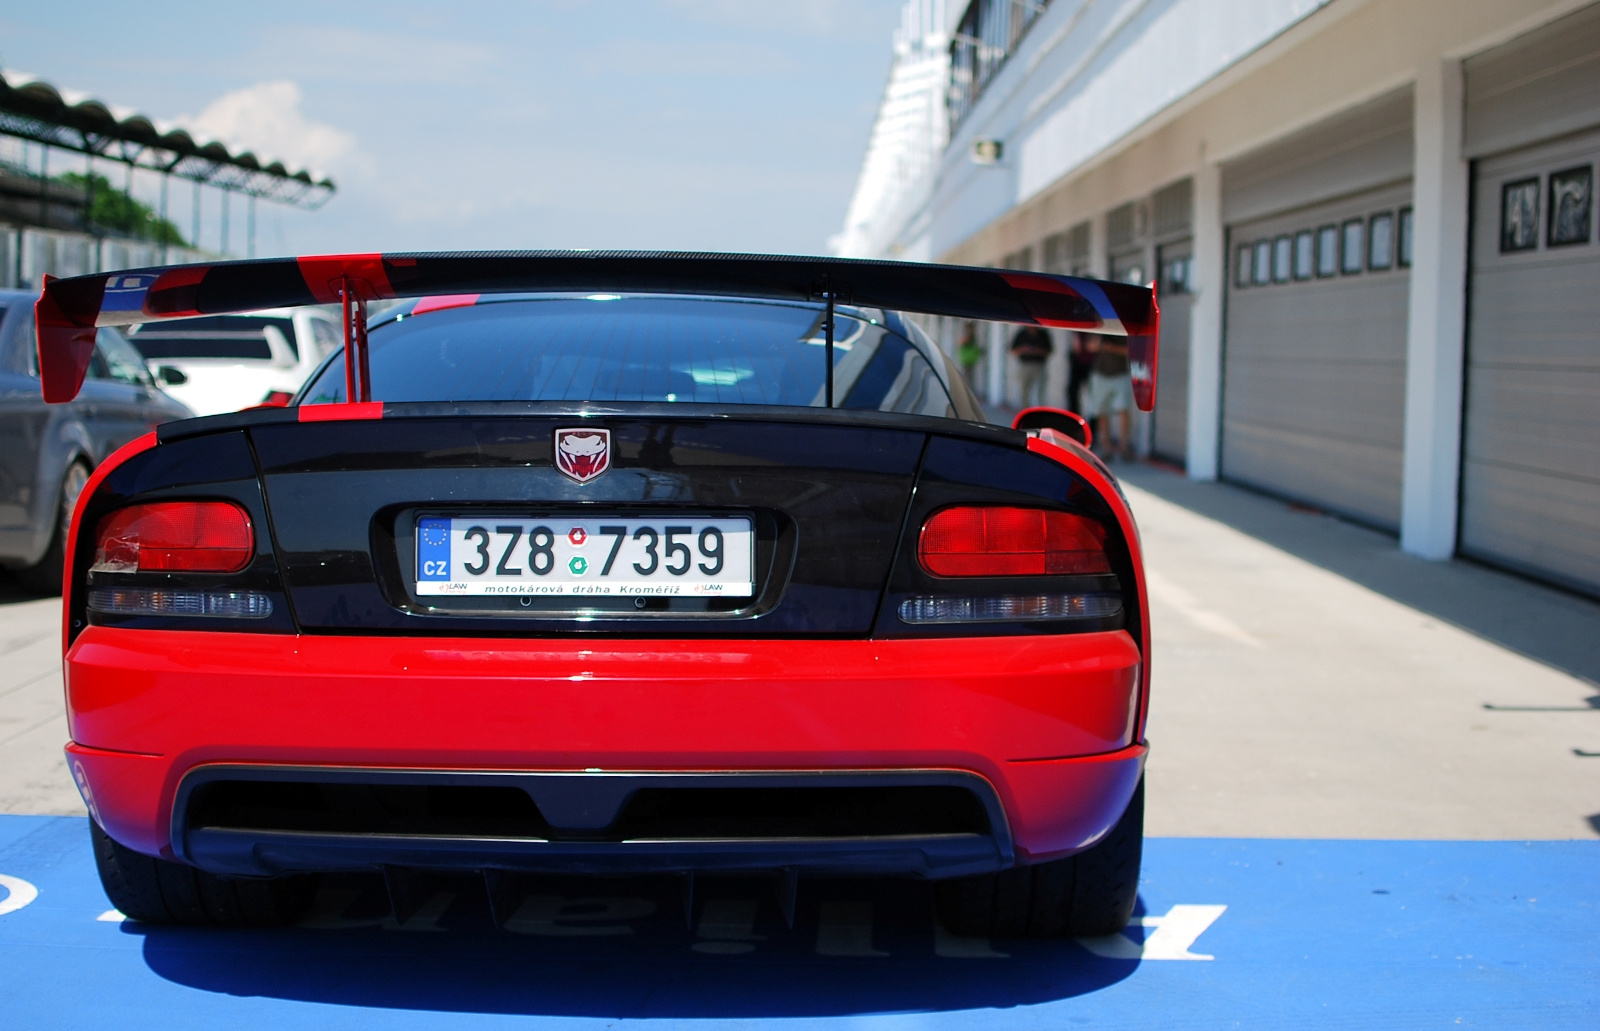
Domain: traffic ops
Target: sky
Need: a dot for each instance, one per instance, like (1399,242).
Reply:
(659,124)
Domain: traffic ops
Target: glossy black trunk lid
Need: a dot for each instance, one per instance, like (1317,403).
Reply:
(829,503)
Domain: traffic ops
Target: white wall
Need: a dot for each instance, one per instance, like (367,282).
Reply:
(1088,74)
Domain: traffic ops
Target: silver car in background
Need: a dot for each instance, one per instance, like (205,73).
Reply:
(48,451)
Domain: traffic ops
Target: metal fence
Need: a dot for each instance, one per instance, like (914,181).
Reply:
(985,37)
(27,255)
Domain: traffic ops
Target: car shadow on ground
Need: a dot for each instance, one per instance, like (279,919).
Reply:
(1544,623)
(622,948)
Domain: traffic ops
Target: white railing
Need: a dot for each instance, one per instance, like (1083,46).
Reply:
(28,254)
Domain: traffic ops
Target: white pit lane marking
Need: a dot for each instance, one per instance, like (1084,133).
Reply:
(1180,928)
(1170,594)
(18,893)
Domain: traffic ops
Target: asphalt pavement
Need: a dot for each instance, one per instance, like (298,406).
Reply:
(1310,680)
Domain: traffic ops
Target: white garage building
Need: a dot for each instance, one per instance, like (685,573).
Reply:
(1372,223)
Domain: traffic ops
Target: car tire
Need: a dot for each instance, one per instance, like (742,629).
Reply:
(1083,896)
(45,575)
(160,891)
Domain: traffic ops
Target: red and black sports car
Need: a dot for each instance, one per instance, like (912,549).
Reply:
(610,563)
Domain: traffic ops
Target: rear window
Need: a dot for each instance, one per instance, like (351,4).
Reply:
(212,336)
(641,349)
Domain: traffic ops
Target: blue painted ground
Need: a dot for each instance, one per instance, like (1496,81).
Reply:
(1325,934)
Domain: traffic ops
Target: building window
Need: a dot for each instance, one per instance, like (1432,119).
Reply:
(1128,269)
(1078,248)
(988,33)
(1354,237)
(1263,269)
(1304,254)
(1175,275)
(1282,254)
(1407,238)
(1173,208)
(1328,251)
(1380,241)
(1519,216)
(1122,225)
(1241,266)
(1056,260)
(1570,192)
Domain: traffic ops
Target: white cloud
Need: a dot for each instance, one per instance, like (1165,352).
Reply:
(266,120)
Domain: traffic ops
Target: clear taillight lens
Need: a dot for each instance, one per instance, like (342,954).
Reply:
(175,537)
(1009,608)
(139,601)
(994,540)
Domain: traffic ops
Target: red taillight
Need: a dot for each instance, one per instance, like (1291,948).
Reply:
(996,541)
(175,537)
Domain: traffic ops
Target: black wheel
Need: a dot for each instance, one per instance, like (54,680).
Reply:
(44,576)
(159,891)
(1089,894)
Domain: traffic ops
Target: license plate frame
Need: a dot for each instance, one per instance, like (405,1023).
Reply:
(562,555)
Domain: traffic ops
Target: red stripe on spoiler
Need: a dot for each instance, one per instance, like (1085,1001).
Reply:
(323,275)
(442,301)
(1054,303)
(341,412)
(176,293)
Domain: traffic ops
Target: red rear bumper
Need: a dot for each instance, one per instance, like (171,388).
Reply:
(1046,721)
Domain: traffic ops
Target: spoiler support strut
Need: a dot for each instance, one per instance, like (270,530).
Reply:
(357,368)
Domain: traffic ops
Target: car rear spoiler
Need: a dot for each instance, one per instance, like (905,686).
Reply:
(69,310)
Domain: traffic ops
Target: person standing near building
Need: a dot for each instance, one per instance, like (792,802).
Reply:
(969,353)
(1080,359)
(1031,347)
(1111,393)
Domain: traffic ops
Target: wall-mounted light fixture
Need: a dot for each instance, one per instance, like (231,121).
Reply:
(987,152)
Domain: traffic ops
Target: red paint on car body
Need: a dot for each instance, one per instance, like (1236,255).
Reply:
(1044,719)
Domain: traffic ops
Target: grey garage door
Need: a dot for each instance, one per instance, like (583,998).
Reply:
(1314,372)
(1315,332)
(1530,477)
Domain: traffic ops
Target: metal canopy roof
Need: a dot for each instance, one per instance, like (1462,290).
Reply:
(33,109)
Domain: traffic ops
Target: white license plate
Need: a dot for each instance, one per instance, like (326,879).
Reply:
(601,555)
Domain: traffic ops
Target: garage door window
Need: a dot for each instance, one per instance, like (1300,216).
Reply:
(1406,236)
(1569,205)
(1304,252)
(1519,216)
(1328,251)
(1241,267)
(1263,270)
(1354,237)
(1380,242)
(1281,256)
